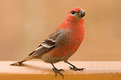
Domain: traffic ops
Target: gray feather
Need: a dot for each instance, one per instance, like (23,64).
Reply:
(48,44)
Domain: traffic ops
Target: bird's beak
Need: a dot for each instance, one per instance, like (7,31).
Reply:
(81,13)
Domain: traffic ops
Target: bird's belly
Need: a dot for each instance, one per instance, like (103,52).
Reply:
(49,59)
(52,59)
(61,53)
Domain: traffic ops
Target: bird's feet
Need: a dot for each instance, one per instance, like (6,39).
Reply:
(58,71)
(76,69)
(16,64)
(72,67)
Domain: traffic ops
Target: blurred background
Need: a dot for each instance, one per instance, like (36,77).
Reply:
(25,23)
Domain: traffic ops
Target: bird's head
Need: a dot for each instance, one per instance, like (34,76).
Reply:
(74,18)
(76,13)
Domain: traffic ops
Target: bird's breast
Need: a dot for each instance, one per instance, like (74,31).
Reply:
(68,45)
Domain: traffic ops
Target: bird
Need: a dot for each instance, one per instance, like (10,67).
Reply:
(61,44)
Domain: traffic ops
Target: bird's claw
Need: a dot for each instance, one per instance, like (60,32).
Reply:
(76,69)
(58,71)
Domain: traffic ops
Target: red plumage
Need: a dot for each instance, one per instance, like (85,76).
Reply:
(74,38)
(63,43)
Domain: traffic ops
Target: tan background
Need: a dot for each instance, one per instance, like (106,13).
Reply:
(24,23)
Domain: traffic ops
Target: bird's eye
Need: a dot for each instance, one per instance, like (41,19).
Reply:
(72,12)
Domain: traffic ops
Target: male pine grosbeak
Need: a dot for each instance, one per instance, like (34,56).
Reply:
(63,43)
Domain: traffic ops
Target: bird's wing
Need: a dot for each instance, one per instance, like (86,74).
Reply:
(49,43)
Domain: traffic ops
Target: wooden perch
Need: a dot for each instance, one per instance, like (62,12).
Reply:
(38,70)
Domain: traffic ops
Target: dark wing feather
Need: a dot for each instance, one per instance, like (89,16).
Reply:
(31,53)
(46,45)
